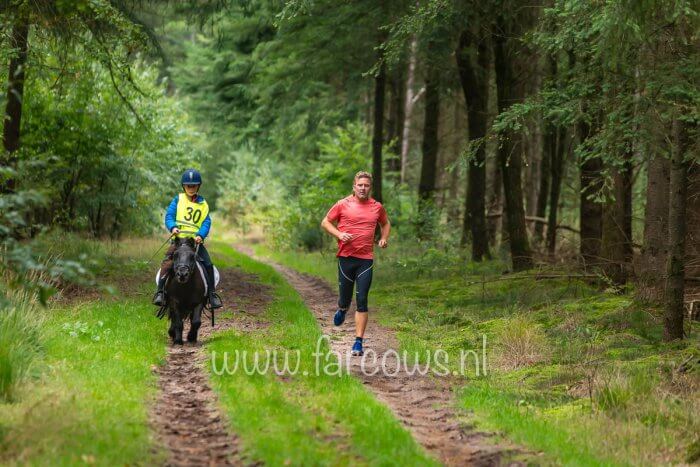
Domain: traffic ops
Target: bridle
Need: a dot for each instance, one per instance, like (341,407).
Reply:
(185,267)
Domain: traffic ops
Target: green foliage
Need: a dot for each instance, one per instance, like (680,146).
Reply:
(99,166)
(290,207)
(20,348)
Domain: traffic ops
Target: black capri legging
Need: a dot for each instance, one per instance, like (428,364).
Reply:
(354,272)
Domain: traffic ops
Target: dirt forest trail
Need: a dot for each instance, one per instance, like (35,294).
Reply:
(189,424)
(425,405)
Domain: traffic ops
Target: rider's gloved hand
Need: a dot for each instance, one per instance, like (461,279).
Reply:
(175,231)
(198,239)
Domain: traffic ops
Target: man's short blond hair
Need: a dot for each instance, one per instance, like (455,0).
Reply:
(363,174)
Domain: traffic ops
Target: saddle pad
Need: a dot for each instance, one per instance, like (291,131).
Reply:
(201,274)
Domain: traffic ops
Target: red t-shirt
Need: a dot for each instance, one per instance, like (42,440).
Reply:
(359,219)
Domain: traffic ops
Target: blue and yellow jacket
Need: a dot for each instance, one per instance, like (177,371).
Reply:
(171,214)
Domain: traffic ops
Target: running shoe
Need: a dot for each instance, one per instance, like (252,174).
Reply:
(357,349)
(339,317)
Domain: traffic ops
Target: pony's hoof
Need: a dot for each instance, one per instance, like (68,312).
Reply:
(192,340)
(171,333)
(178,342)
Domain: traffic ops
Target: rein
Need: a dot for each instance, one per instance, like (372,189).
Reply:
(161,247)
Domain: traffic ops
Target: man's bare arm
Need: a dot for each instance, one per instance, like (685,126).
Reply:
(386,229)
(328,226)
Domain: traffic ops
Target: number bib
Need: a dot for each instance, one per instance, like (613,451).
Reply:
(190,216)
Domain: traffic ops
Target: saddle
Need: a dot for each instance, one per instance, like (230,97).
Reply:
(202,274)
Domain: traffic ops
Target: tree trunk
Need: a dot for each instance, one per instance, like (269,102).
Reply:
(543,194)
(494,178)
(558,154)
(509,92)
(591,212)
(13,107)
(377,136)
(428,173)
(654,249)
(395,124)
(549,154)
(673,317)
(408,107)
(495,203)
(613,249)
(627,182)
(475,84)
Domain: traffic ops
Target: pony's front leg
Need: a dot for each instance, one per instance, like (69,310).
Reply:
(177,326)
(195,323)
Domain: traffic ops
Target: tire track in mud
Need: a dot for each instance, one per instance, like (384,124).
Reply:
(425,405)
(186,418)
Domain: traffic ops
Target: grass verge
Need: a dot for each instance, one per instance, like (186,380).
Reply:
(86,403)
(312,419)
(575,372)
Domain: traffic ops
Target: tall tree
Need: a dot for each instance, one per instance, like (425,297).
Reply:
(613,249)
(675,282)
(396,121)
(543,191)
(475,85)
(655,243)
(557,142)
(378,131)
(590,210)
(510,92)
(428,172)
(408,106)
(15,92)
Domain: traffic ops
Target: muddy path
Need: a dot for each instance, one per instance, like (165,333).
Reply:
(424,404)
(186,418)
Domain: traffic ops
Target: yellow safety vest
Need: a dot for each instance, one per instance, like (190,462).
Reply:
(190,216)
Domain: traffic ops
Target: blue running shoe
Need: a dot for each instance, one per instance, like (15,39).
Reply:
(357,348)
(339,317)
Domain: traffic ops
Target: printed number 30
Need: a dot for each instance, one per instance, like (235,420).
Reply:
(193,215)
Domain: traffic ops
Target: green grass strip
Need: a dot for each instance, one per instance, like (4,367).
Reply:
(310,420)
(91,405)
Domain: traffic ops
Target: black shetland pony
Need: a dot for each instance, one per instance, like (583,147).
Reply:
(184,292)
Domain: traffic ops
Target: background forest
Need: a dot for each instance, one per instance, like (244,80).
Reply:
(556,139)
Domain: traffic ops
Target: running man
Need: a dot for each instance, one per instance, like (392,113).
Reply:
(357,217)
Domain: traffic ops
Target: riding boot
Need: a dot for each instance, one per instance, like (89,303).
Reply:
(159,297)
(214,299)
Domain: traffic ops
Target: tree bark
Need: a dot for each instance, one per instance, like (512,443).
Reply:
(395,123)
(543,194)
(509,92)
(675,282)
(627,182)
(654,248)
(15,93)
(408,107)
(495,203)
(428,173)
(613,249)
(378,132)
(548,169)
(590,211)
(475,84)
(558,155)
